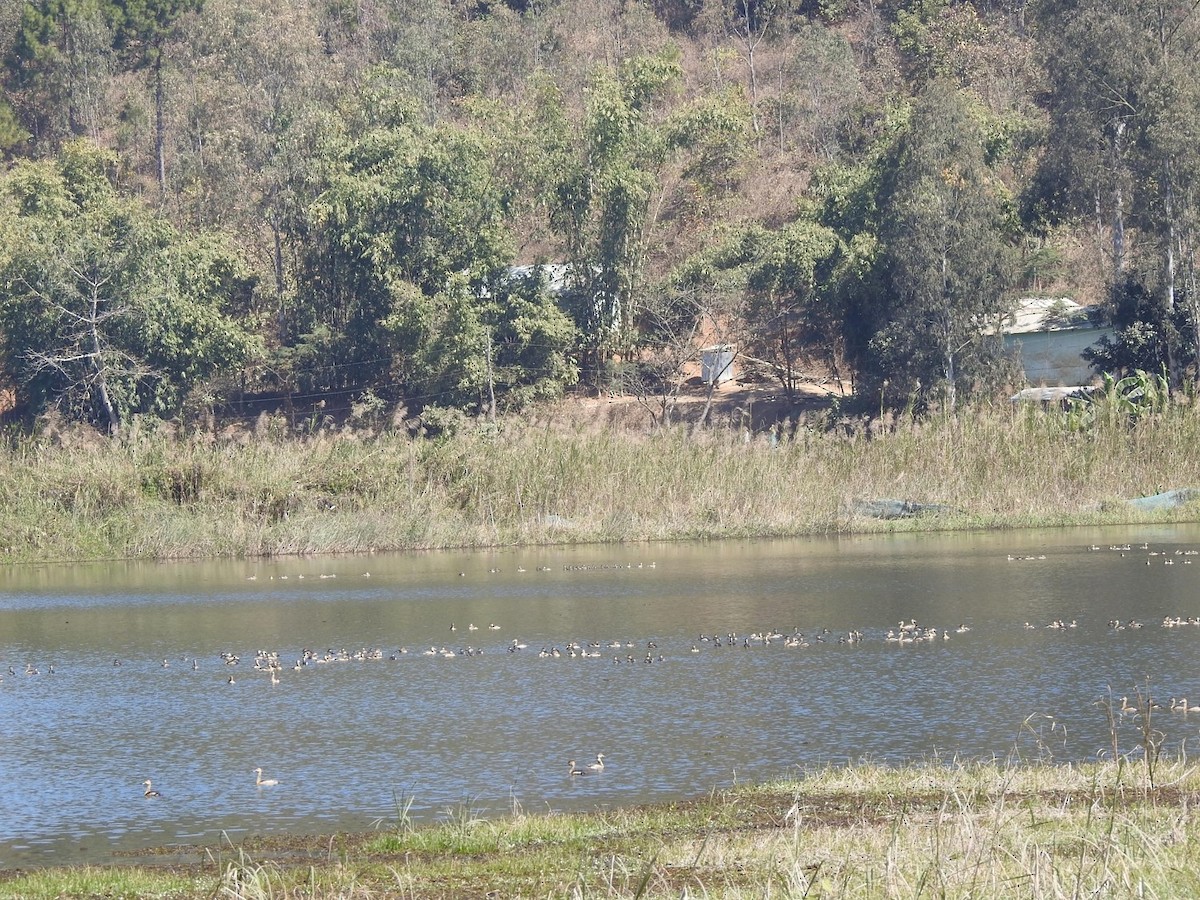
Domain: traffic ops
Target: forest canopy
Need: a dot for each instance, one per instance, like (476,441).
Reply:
(471,205)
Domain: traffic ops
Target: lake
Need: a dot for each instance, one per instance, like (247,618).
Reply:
(689,666)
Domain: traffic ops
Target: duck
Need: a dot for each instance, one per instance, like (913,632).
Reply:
(598,765)
(259,781)
(573,769)
(150,791)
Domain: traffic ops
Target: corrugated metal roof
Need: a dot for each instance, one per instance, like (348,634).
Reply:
(1047,314)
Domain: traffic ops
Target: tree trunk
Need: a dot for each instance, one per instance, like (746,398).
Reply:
(1118,212)
(276,232)
(160,128)
(110,412)
(1169,272)
(491,382)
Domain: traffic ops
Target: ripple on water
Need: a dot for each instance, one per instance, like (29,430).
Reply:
(354,741)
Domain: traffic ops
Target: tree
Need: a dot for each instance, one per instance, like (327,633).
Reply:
(11,132)
(55,69)
(260,101)
(669,323)
(819,87)
(790,316)
(633,159)
(141,30)
(506,348)
(603,199)
(105,311)
(406,276)
(944,256)
(748,22)
(65,50)
(1124,105)
(407,208)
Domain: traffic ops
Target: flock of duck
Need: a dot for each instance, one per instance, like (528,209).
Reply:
(272,664)
(1177,705)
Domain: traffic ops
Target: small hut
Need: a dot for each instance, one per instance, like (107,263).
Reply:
(1049,335)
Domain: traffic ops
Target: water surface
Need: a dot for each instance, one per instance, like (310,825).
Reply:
(352,739)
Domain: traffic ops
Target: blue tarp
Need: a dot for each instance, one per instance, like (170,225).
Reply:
(1166,500)
(897,509)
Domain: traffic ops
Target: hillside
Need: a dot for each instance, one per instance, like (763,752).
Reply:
(322,197)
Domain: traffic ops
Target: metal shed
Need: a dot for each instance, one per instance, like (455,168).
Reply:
(716,363)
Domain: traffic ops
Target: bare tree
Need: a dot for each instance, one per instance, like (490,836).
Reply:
(81,298)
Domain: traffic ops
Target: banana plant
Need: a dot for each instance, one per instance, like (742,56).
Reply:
(1120,400)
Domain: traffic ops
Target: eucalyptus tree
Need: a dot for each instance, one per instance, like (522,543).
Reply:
(749,22)
(943,254)
(105,310)
(1124,104)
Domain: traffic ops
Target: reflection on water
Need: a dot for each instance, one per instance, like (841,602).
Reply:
(689,666)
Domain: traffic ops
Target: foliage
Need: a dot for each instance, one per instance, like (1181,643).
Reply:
(54,71)
(106,311)
(603,198)
(379,166)
(407,209)
(943,257)
(405,279)
(1143,333)
(1120,401)
(788,313)
(65,49)
(1125,111)
(11,132)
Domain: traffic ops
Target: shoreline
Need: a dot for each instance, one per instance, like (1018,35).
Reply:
(1028,828)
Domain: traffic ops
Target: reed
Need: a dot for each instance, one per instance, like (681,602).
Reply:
(153,495)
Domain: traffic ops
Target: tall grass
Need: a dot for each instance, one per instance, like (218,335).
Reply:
(151,495)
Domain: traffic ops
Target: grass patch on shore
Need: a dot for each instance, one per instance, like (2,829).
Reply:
(957,830)
(152,495)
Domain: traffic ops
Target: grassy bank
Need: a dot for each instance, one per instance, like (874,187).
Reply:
(959,830)
(150,495)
